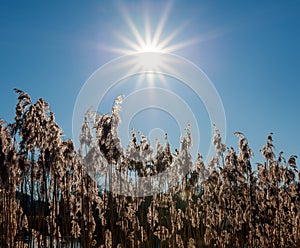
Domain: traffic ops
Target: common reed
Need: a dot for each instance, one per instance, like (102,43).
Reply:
(49,199)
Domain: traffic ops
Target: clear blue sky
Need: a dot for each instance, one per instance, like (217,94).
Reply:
(250,51)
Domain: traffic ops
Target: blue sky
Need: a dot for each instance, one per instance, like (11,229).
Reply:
(250,51)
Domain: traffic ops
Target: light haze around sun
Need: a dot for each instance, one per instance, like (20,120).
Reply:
(149,39)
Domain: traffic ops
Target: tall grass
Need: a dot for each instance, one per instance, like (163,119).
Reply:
(49,199)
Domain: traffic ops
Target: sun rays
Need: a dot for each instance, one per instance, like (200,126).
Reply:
(149,42)
(146,30)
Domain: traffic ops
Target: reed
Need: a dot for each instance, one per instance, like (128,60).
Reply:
(48,198)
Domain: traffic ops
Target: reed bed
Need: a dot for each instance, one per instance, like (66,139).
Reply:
(55,196)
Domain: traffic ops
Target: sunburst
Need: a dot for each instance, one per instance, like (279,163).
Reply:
(151,41)
(150,45)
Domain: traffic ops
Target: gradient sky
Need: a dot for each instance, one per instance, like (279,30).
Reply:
(250,51)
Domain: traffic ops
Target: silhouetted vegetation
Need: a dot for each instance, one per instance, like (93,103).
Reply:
(50,196)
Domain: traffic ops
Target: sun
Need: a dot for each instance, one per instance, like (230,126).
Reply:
(151,41)
(149,44)
(149,49)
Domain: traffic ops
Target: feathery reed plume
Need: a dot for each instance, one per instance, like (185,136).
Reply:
(49,199)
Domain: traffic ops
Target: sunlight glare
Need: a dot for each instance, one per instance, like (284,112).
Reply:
(152,40)
(149,44)
(149,60)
